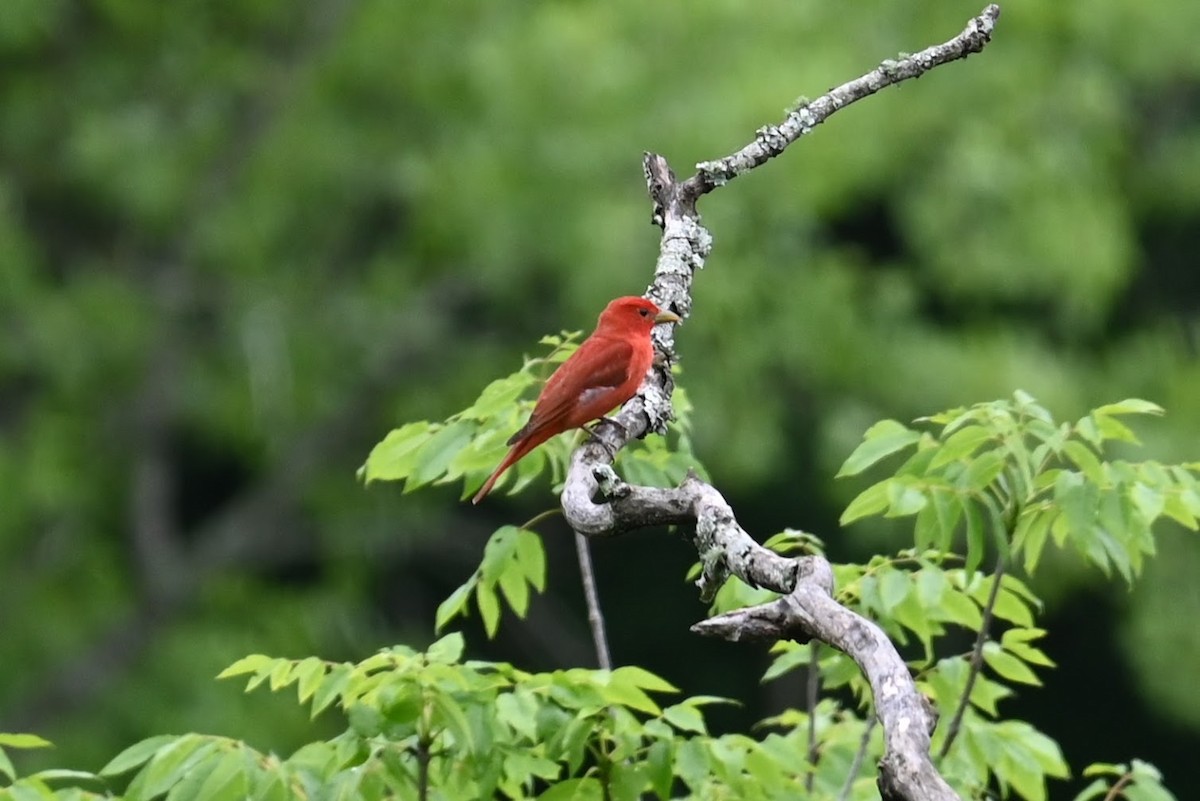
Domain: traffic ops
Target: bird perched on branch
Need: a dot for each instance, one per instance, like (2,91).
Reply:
(604,372)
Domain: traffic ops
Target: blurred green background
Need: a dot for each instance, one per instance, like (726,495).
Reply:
(241,240)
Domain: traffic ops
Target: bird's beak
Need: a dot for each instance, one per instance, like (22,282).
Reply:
(667,317)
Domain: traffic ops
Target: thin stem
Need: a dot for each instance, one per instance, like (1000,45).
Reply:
(814,689)
(859,756)
(424,741)
(976,660)
(1117,788)
(540,516)
(592,598)
(422,771)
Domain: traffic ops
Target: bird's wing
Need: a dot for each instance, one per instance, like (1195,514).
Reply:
(598,368)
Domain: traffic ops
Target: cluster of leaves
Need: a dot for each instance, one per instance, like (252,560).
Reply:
(513,561)
(469,444)
(1005,468)
(1006,473)
(429,724)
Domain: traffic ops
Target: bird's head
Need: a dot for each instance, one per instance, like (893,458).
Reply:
(635,313)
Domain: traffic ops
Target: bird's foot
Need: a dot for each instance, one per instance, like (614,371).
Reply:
(610,421)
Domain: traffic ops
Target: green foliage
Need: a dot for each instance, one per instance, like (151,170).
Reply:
(468,445)
(513,561)
(1007,473)
(472,442)
(434,724)
(1138,781)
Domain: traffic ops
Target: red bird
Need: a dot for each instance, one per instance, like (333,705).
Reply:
(604,372)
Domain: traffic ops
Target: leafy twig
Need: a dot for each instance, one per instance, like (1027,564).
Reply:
(859,756)
(539,517)
(976,663)
(1119,787)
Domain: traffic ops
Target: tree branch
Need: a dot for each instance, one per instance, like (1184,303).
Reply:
(591,597)
(596,502)
(771,140)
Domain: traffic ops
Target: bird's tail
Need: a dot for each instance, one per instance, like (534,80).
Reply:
(515,453)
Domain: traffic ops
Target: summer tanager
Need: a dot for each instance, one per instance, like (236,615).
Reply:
(604,372)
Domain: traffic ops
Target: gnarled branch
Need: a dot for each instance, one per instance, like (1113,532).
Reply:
(596,502)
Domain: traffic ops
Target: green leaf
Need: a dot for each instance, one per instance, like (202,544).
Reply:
(630,696)
(136,754)
(948,507)
(498,396)
(448,650)
(456,604)
(6,766)
(956,607)
(1096,789)
(489,608)
(332,686)
(227,781)
(169,765)
(454,716)
(1130,406)
(894,587)
(1175,508)
(1008,606)
(976,541)
(1017,641)
(1008,666)
(1031,534)
(1111,428)
(1147,791)
(961,444)
(1087,429)
(871,501)
(67,777)
(247,664)
(691,763)
(516,591)
(789,659)
(393,458)
(1150,502)
(531,555)
(309,673)
(881,440)
(281,674)
(1142,770)
(983,470)
(640,677)
(685,718)
(926,530)
(435,454)
(585,789)
(9,740)
(1105,769)
(1084,459)
(904,499)
(658,765)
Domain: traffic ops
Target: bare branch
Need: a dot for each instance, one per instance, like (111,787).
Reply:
(772,140)
(592,598)
(596,502)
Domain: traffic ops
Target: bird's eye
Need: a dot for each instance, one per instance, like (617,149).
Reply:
(644,312)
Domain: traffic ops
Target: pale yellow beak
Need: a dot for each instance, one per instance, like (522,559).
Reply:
(667,317)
